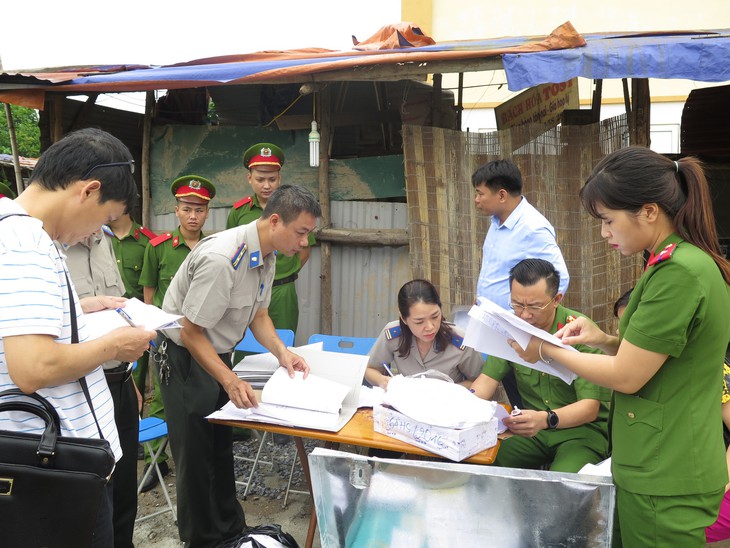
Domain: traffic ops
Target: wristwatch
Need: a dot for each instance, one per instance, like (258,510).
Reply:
(552,419)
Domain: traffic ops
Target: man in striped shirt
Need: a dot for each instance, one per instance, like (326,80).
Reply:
(81,182)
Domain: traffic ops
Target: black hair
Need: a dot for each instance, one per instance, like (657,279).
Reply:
(413,292)
(499,174)
(629,178)
(528,272)
(71,158)
(622,301)
(289,201)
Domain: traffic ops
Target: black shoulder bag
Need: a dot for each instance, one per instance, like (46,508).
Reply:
(50,485)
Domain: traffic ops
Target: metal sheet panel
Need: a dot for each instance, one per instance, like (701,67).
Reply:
(363,502)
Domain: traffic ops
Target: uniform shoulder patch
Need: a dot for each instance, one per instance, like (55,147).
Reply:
(242,202)
(159,239)
(458,342)
(237,256)
(147,232)
(393,332)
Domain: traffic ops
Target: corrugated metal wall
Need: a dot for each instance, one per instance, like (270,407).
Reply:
(365,279)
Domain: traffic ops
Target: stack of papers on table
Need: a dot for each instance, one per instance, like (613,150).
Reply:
(140,314)
(256,369)
(490,327)
(326,400)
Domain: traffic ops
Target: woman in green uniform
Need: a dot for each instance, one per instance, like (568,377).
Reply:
(668,452)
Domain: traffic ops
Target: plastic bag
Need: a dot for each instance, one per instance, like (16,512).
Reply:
(262,536)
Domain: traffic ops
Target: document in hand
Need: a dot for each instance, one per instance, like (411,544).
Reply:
(326,400)
(490,327)
(140,314)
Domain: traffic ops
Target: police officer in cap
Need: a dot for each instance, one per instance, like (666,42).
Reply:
(163,257)
(264,162)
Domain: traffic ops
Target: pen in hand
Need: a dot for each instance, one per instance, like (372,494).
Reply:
(387,369)
(127,319)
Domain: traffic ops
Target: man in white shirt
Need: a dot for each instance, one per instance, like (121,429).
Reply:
(81,182)
(518,231)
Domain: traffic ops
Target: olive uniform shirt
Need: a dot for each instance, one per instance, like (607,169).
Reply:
(666,437)
(221,285)
(457,361)
(162,258)
(129,251)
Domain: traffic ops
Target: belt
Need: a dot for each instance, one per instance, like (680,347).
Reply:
(119,374)
(286,280)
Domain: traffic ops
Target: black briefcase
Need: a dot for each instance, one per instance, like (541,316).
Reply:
(50,486)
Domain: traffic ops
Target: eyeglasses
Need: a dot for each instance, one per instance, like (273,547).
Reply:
(530,308)
(130,163)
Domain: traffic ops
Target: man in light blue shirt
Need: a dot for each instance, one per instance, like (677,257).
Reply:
(518,231)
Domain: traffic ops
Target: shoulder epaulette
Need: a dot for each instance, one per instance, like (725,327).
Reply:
(236,259)
(393,332)
(458,342)
(664,255)
(147,232)
(108,231)
(159,239)
(243,202)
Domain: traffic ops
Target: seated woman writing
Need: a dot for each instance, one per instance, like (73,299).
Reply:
(420,340)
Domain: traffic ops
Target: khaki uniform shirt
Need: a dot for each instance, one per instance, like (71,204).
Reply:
(457,361)
(221,285)
(94,272)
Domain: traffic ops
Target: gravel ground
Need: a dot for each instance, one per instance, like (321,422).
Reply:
(263,504)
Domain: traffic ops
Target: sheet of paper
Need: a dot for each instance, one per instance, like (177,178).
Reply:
(142,315)
(314,393)
(457,406)
(490,327)
(267,362)
(370,396)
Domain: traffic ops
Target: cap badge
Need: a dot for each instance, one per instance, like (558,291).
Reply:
(266,152)
(195,184)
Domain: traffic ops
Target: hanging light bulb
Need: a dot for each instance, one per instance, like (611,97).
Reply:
(314,146)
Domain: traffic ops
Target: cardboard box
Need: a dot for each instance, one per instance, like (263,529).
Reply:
(451,443)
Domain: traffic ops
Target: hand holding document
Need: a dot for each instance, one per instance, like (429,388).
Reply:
(490,327)
(136,313)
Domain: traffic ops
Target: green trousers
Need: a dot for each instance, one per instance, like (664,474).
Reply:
(284,306)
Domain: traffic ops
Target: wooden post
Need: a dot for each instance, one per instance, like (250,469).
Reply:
(145,173)
(436,101)
(325,110)
(57,119)
(14,148)
(641,110)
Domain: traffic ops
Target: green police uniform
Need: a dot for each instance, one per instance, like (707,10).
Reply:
(565,449)
(668,452)
(6,191)
(222,284)
(284,307)
(129,250)
(162,258)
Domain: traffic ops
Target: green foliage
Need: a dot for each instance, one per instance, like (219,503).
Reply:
(26,132)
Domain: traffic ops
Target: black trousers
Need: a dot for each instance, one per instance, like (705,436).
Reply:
(124,479)
(208,511)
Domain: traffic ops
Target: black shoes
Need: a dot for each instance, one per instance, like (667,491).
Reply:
(152,480)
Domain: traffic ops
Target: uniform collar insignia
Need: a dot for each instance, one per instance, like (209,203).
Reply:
(254,259)
(176,241)
(108,231)
(663,255)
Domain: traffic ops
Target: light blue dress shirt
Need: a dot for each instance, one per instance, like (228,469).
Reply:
(525,234)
